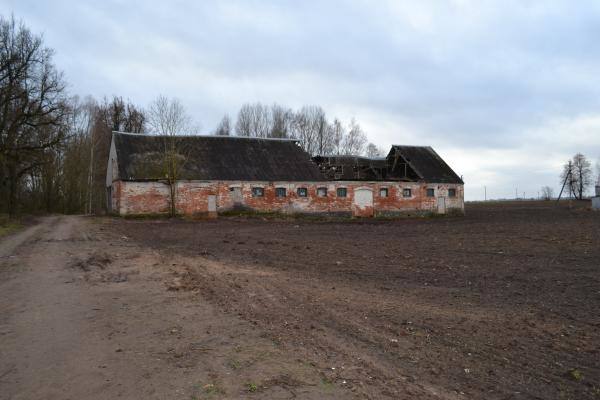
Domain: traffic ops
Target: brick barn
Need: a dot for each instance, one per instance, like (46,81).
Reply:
(221,173)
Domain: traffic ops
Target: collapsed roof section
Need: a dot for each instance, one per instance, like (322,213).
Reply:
(403,163)
(355,168)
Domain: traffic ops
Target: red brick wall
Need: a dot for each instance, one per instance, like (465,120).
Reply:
(142,198)
(192,197)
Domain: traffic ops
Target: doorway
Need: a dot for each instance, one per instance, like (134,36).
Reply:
(212,205)
(441,205)
(362,205)
(236,196)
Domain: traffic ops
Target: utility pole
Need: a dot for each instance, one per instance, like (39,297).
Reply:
(568,177)
(91,169)
(485,193)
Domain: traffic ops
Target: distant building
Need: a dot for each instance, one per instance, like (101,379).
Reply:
(221,173)
(596,198)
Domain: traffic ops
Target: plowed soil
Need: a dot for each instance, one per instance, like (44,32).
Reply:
(503,303)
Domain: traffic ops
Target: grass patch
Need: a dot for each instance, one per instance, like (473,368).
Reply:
(575,375)
(337,217)
(254,214)
(145,216)
(8,225)
(276,215)
(299,216)
(234,364)
(207,391)
(251,387)
(327,385)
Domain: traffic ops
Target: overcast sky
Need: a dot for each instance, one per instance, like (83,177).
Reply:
(505,91)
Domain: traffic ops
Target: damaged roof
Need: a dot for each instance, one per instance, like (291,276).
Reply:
(428,165)
(235,158)
(352,168)
(140,157)
(403,163)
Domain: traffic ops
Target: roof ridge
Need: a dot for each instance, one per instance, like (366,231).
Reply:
(206,136)
(350,156)
(410,145)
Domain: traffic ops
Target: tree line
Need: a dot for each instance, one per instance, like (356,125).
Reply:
(309,125)
(54,147)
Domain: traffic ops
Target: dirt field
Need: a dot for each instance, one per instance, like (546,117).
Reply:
(501,304)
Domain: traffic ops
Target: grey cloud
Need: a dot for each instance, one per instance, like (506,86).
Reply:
(466,74)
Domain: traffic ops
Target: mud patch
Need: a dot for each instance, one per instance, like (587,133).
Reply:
(183,279)
(112,277)
(95,260)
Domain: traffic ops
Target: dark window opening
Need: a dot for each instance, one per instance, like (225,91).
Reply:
(258,192)
(302,192)
(407,193)
(322,192)
(280,192)
(451,192)
(383,192)
(342,192)
(430,192)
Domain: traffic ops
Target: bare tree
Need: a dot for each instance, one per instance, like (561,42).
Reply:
(33,107)
(373,151)
(134,119)
(224,127)
(355,140)
(167,117)
(337,133)
(58,183)
(243,124)
(324,140)
(577,175)
(547,193)
(79,156)
(254,120)
(583,174)
(311,128)
(304,129)
(282,119)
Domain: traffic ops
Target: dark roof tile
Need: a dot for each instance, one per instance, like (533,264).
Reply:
(427,164)
(140,157)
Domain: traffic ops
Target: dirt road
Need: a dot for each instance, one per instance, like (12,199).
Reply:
(87,314)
